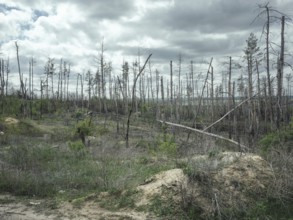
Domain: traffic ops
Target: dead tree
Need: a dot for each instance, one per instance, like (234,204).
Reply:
(171,82)
(200,98)
(19,72)
(7,69)
(270,18)
(132,101)
(251,54)
(59,90)
(125,76)
(230,96)
(242,147)
(280,76)
(2,76)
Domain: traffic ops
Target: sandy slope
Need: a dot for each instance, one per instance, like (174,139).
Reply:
(33,210)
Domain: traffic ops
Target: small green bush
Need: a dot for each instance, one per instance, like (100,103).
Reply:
(76,146)
(84,127)
(280,140)
(101,130)
(166,145)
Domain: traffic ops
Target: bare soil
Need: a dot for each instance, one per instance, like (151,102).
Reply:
(36,210)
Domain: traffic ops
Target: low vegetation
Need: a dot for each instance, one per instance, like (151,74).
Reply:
(37,162)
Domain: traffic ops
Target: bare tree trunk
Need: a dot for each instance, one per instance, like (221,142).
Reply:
(60,80)
(243,147)
(19,71)
(268,65)
(212,92)
(7,72)
(68,73)
(76,92)
(230,97)
(89,88)
(132,102)
(32,63)
(151,83)
(180,93)
(258,116)
(229,112)
(192,81)
(116,106)
(29,88)
(162,89)
(200,99)
(2,76)
(280,76)
(171,82)
(81,92)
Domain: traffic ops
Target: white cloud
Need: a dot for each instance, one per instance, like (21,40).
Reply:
(73,30)
(13,23)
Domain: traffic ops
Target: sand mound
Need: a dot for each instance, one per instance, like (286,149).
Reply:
(171,179)
(212,183)
(11,121)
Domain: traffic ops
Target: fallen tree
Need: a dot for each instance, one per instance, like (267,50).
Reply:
(241,146)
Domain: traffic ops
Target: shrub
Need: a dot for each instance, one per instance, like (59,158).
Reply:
(280,140)
(167,145)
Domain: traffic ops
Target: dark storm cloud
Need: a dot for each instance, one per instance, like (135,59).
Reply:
(110,9)
(188,26)
(162,54)
(213,16)
(206,16)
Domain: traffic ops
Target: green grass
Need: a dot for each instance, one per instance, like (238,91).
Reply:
(43,171)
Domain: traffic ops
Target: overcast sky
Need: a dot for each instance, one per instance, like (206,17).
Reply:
(73,30)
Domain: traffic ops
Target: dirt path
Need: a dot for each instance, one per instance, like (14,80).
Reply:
(35,210)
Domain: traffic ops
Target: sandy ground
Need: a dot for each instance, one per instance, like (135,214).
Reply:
(33,210)
(231,175)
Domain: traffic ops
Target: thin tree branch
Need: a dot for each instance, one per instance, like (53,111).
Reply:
(229,112)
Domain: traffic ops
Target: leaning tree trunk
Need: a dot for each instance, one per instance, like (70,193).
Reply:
(133,101)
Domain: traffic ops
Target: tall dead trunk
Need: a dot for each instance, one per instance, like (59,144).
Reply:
(230,97)
(280,76)
(19,72)
(171,82)
(212,93)
(59,93)
(192,81)
(259,102)
(32,78)
(81,90)
(200,98)
(268,65)
(7,69)
(162,89)
(68,73)
(2,76)
(132,102)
